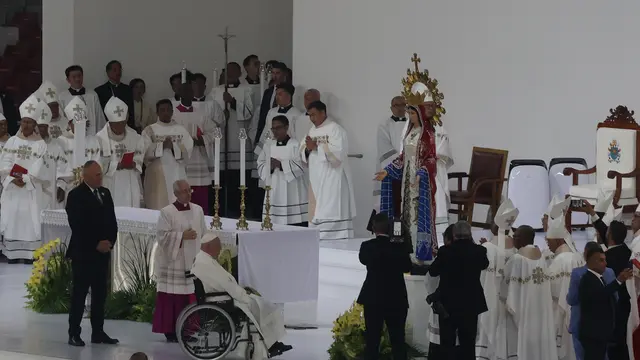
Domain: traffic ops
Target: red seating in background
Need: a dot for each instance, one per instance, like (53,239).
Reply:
(21,64)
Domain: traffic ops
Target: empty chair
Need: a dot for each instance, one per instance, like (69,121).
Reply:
(559,184)
(528,189)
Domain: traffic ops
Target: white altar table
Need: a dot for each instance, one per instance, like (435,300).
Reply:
(281,264)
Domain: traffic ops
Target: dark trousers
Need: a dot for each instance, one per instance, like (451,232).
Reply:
(466,328)
(618,350)
(88,273)
(230,196)
(595,349)
(395,319)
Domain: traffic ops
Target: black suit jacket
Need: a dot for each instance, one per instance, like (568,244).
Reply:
(90,222)
(597,308)
(122,92)
(265,106)
(386,264)
(10,112)
(459,266)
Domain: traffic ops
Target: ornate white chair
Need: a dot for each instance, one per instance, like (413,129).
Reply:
(617,161)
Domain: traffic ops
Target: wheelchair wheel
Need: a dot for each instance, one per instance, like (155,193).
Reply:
(180,317)
(206,332)
(248,352)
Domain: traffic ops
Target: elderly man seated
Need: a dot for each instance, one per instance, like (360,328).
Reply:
(267,317)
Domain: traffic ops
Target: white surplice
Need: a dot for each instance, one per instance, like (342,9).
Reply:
(389,146)
(290,112)
(289,195)
(124,184)
(174,256)
(268,318)
(240,118)
(92,152)
(164,166)
(560,270)
(20,206)
(203,116)
(332,205)
(54,167)
(95,114)
(526,292)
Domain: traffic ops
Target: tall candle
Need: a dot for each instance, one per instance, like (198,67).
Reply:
(79,135)
(267,157)
(215,76)
(242,161)
(216,158)
(263,81)
(183,73)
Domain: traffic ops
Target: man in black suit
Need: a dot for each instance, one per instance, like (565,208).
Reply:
(597,306)
(618,255)
(93,233)
(459,266)
(113,87)
(384,293)
(278,76)
(10,111)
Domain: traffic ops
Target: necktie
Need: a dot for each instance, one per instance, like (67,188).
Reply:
(602,281)
(97,194)
(76,93)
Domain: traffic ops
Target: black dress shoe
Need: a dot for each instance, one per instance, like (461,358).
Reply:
(75,340)
(103,339)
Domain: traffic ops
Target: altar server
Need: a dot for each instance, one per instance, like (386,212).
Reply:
(285,173)
(526,292)
(49,93)
(168,147)
(55,165)
(199,121)
(180,227)
(284,94)
(93,109)
(76,108)
(21,172)
(122,152)
(331,202)
(390,145)
(268,318)
(303,122)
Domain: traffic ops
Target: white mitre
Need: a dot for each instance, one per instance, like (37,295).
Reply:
(638,210)
(2,118)
(611,215)
(604,201)
(557,230)
(421,88)
(76,107)
(116,110)
(45,114)
(558,209)
(506,215)
(48,92)
(29,108)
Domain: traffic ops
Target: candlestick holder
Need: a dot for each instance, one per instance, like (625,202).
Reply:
(242,222)
(77,176)
(216,224)
(266,222)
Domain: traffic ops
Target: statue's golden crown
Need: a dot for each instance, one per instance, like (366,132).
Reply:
(416,76)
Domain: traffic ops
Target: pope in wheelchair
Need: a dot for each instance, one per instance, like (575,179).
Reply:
(225,314)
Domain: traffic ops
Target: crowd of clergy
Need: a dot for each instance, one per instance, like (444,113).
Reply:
(241,133)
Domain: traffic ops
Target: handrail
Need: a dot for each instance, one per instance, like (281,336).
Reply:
(357,156)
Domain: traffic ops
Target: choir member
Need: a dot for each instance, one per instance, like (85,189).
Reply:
(175,82)
(284,94)
(269,96)
(144,113)
(94,113)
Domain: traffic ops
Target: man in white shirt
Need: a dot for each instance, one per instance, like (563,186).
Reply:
(94,113)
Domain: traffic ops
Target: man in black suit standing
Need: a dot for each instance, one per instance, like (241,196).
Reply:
(384,293)
(597,306)
(93,233)
(459,266)
(114,87)
(278,76)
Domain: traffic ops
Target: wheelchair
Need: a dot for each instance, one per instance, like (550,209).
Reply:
(212,327)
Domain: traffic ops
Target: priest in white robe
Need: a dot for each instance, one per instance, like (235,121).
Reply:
(49,94)
(268,318)
(282,169)
(557,208)
(284,94)
(200,121)
(4,137)
(498,253)
(168,147)
(566,258)
(75,109)
(54,167)
(303,122)
(21,173)
(180,227)
(121,155)
(94,113)
(389,145)
(526,292)
(332,205)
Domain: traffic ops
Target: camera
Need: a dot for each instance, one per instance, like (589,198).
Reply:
(577,203)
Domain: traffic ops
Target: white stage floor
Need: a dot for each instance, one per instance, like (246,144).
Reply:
(26,335)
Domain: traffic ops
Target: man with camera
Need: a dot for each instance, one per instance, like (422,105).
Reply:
(459,266)
(384,293)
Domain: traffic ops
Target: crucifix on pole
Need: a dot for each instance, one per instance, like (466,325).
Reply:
(225,38)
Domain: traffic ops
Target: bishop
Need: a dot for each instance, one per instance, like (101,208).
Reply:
(93,110)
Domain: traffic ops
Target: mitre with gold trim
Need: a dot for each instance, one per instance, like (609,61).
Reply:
(420,88)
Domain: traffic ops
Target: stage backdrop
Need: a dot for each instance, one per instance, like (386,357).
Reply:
(532,77)
(153,37)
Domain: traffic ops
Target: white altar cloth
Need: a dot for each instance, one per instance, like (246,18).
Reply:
(281,264)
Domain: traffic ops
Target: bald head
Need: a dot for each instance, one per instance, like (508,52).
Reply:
(310,96)
(92,174)
(182,191)
(398,106)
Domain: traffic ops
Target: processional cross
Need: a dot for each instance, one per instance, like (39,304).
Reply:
(415,60)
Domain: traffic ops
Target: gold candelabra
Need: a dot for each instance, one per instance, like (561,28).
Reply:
(266,222)
(216,224)
(77,176)
(242,222)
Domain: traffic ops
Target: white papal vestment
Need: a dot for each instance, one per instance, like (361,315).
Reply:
(331,202)
(20,210)
(199,166)
(267,317)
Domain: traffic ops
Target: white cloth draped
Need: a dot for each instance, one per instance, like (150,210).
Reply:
(289,192)
(331,200)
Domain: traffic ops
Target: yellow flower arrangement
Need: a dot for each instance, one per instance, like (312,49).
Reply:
(50,281)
